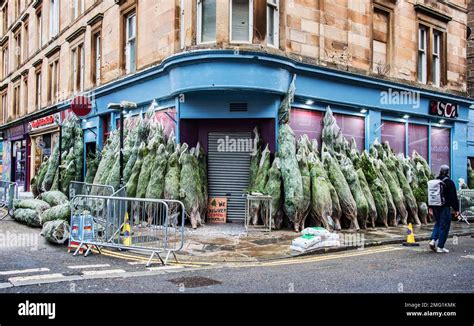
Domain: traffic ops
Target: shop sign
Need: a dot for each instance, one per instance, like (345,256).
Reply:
(217,210)
(50,120)
(81,106)
(444,109)
(17,132)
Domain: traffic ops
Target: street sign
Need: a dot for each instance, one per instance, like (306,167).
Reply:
(81,106)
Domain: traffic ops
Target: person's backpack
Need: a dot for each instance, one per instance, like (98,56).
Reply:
(436,192)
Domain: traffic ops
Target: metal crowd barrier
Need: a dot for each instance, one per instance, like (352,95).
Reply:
(263,204)
(139,224)
(466,204)
(84,188)
(8,192)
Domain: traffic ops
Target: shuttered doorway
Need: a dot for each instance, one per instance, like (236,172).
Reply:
(228,169)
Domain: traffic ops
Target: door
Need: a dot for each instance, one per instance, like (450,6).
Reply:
(228,169)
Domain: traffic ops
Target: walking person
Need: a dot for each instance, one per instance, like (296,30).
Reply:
(441,200)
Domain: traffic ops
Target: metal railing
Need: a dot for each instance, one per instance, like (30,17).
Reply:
(84,188)
(139,224)
(8,192)
(466,204)
(258,207)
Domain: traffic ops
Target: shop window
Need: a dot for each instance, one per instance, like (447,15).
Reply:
(440,148)
(167,118)
(418,139)
(352,126)
(380,41)
(395,134)
(105,128)
(273,24)
(130,42)
(241,21)
(308,122)
(206,21)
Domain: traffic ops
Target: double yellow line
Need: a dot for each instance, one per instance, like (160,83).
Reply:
(144,260)
(312,259)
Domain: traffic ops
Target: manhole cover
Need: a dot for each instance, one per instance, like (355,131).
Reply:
(194,282)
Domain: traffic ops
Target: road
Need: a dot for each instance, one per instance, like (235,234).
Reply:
(43,268)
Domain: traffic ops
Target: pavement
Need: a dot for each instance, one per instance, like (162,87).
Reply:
(231,243)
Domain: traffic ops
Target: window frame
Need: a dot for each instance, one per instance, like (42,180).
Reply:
(39,89)
(16,100)
(3,106)
(430,31)
(26,41)
(54,14)
(275,4)
(39,29)
(5,18)
(18,45)
(127,41)
(96,56)
(5,61)
(422,58)
(53,80)
(199,25)
(250,36)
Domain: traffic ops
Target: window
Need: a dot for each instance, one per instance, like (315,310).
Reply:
(38,90)
(16,101)
(310,122)
(418,139)
(440,148)
(241,21)
(54,18)
(422,63)
(430,56)
(380,41)
(17,53)
(53,77)
(130,42)
(436,69)
(25,95)
(77,8)
(39,30)
(17,8)
(395,133)
(96,58)
(26,41)
(77,71)
(5,65)
(4,107)
(5,18)
(272,23)
(206,31)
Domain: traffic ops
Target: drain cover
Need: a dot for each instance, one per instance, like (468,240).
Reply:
(194,281)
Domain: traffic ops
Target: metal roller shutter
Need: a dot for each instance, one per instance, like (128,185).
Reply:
(228,172)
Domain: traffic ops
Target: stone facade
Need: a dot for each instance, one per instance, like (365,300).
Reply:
(339,34)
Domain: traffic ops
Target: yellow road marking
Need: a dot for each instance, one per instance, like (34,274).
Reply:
(322,258)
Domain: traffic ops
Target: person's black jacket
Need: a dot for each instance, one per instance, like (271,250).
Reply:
(450,194)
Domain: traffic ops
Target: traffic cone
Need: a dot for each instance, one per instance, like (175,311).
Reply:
(127,239)
(410,237)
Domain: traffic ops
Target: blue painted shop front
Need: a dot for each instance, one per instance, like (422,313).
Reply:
(202,86)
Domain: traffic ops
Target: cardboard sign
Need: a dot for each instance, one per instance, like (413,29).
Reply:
(217,210)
